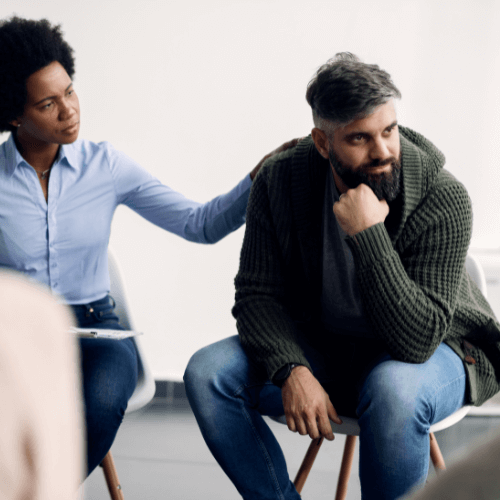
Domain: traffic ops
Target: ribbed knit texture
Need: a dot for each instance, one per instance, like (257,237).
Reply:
(411,273)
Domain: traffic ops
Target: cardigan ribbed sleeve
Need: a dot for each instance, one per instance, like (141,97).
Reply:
(410,296)
(266,330)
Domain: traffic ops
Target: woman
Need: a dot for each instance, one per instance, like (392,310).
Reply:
(57,199)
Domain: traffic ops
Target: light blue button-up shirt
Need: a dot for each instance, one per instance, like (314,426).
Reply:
(63,243)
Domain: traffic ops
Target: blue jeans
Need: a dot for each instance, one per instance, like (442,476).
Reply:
(109,373)
(396,403)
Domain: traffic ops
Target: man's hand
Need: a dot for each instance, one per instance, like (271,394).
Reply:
(283,147)
(308,409)
(358,209)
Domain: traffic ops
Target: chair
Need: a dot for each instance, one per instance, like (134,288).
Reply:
(350,426)
(145,388)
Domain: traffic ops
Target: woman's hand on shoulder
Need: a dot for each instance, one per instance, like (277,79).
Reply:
(280,149)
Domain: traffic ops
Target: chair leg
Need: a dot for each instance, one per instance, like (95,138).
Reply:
(307,463)
(345,468)
(436,456)
(109,469)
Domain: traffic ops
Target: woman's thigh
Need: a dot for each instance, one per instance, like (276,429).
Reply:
(109,367)
(109,372)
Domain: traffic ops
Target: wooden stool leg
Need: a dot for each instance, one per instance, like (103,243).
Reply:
(109,469)
(345,468)
(436,456)
(307,463)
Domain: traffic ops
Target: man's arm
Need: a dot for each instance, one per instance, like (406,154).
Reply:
(266,329)
(410,293)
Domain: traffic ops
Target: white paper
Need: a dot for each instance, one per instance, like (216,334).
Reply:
(100,333)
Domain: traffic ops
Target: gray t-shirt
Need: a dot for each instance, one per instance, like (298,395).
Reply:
(341,306)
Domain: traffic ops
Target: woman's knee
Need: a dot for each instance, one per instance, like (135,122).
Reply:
(107,397)
(109,379)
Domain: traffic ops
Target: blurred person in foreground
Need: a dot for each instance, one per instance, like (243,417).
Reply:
(41,429)
(352,298)
(58,195)
(474,476)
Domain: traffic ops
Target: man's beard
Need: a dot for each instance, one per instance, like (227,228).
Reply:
(385,185)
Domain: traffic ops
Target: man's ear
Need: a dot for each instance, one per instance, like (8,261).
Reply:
(320,141)
(15,123)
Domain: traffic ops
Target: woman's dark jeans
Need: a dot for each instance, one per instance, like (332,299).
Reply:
(109,373)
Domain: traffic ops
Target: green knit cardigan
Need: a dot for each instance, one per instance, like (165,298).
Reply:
(415,290)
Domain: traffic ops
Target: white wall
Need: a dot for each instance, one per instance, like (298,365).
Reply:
(198,91)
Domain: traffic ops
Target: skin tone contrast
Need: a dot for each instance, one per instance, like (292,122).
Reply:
(307,406)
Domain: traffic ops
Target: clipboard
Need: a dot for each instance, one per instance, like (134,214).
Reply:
(101,333)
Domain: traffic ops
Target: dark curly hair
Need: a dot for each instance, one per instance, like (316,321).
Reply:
(345,89)
(25,47)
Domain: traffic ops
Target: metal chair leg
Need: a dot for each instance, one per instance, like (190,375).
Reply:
(307,464)
(436,455)
(109,469)
(345,468)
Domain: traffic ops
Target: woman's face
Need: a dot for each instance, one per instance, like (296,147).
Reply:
(52,111)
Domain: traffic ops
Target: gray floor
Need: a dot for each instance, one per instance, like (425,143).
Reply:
(160,454)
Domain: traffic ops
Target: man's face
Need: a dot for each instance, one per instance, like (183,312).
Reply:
(368,151)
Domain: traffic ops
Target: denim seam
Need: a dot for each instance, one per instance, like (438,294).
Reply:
(440,389)
(260,442)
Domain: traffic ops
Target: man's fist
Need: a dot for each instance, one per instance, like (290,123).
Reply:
(358,209)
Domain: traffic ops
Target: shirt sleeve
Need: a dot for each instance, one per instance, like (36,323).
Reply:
(199,222)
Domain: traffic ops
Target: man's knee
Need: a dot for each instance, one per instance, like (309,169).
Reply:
(394,389)
(211,366)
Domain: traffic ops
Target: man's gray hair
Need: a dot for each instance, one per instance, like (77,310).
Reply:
(345,89)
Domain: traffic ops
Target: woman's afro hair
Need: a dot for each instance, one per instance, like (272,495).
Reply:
(27,46)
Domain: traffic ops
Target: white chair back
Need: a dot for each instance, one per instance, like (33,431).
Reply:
(145,388)
(476,272)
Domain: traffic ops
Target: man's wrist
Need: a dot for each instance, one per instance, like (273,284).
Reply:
(283,373)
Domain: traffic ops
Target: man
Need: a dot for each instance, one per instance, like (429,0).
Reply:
(351,298)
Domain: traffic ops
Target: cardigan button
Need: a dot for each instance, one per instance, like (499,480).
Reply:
(470,360)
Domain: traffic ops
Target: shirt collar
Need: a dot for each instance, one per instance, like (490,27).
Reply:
(68,152)
(13,158)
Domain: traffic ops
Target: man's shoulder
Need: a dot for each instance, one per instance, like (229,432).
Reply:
(446,198)
(446,182)
(280,160)
(295,157)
